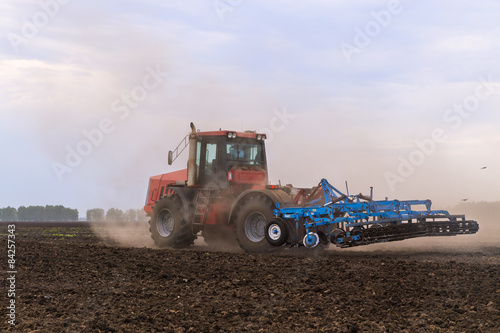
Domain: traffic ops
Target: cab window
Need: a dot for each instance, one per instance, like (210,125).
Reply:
(244,153)
(210,159)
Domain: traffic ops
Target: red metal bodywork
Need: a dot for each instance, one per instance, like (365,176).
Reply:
(217,213)
(241,176)
(157,183)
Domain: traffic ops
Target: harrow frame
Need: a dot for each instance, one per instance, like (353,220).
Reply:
(360,220)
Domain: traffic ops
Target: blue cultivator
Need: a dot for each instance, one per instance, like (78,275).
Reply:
(352,220)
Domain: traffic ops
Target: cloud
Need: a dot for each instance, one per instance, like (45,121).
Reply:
(352,120)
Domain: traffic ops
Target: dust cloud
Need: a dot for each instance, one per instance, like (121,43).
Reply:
(136,234)
(124,234)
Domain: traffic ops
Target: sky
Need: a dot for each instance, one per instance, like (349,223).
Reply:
(403,96)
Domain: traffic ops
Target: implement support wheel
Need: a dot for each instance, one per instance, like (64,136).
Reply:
(276,231)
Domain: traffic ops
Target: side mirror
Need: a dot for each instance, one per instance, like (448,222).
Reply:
(170,157)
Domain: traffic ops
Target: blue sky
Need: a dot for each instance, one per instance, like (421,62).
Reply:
(239,65)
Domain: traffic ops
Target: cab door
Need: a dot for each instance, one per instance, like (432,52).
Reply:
(208,164)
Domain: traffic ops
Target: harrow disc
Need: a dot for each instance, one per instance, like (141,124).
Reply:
(311,240)
(357,236)
(337,236)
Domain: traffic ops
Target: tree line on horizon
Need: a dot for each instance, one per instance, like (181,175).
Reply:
(61,213)
(115,215)
(38,213)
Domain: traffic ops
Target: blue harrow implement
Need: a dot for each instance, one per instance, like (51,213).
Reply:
(352,220)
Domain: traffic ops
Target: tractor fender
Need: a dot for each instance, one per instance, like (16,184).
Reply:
(186,195)
(275,195)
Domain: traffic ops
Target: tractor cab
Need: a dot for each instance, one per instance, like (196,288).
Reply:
(227,159)
(218,160)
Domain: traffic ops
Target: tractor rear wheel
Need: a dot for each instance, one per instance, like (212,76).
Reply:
(168,226)
(251,221)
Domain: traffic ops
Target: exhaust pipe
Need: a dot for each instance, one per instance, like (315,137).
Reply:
(191,167)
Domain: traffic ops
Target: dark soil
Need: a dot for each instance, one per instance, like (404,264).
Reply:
(76,283)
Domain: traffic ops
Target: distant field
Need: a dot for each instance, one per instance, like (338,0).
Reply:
(110,278)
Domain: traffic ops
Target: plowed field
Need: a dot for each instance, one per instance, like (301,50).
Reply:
(70,280)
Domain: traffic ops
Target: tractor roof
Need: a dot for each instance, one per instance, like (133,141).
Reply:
(246,134)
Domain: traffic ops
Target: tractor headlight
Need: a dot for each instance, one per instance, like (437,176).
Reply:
(231,135)
(259,137)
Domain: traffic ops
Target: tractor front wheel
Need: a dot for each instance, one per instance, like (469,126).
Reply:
(168,227)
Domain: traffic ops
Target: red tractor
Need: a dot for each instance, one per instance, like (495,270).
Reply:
(223,193)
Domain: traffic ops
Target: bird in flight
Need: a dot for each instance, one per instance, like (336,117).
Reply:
(465,199)
(483,168)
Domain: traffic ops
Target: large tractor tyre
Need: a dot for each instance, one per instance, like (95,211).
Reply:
(168,226)
(251,221)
